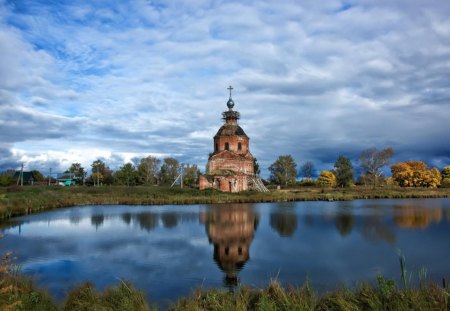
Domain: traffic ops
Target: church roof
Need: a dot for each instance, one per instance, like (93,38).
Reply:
(230,130)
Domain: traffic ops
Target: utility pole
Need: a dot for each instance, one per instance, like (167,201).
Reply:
(50,177)
(181,180)
(98,178)
(20,179)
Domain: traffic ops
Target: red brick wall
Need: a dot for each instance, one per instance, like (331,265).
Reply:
(234,183)
(233,142)
(243,166)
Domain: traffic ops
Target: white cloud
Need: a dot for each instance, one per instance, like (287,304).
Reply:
(313,79)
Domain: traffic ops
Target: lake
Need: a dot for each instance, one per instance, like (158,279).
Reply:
(168,251)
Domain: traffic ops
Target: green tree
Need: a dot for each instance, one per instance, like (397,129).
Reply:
(283,171)
(372,161)
(190,175)
(307,170)
(126,175)
(148,168)
(77,170)
(256,168)
(446,176)
(37,176)
(6,178)
(101,174)
(344,172)
(169,170)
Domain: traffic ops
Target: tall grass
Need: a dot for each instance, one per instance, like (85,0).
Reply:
(20,293)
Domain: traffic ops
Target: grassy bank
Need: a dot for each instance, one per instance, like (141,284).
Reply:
(19,293)
(26,200)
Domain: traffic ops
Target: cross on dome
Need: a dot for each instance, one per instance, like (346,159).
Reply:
(230,103)
(230,88)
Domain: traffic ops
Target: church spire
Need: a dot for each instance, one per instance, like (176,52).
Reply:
(230,116)
(230,103)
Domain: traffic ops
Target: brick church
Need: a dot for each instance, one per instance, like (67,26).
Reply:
(230,167)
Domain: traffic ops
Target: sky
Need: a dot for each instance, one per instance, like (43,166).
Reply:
(115,80)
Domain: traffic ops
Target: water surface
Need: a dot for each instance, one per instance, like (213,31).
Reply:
(169,250)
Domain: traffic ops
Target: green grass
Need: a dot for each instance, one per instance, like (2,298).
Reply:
(18,201)
(19,293)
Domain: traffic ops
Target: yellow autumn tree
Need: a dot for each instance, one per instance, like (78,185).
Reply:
(327,179)
(415,174)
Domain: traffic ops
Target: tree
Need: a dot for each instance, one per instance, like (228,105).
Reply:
(344,171)
(101,173)
(190,175)
(415,174)
(283,171)
(256,168)
(37,176)
(327,179)
(169,170)
(307,170)
(6,178)
(126,175)
(372,161)
(445,173)
(148,168)
(77,170)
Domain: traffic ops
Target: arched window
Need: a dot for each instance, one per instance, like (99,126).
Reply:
(239,146)
(216,148)
(227,146)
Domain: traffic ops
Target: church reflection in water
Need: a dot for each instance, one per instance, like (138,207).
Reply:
(230,228)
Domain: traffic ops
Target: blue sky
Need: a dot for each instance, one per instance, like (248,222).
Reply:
(81,80)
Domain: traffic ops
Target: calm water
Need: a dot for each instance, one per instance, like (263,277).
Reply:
(169,250)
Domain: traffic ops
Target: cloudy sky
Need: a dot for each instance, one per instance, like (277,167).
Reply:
(81,80)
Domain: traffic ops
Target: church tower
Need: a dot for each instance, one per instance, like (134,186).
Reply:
(230,167)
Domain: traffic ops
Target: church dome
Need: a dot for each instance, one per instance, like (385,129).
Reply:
(230,130)
(230,103)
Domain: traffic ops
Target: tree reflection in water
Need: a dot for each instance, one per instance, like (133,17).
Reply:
(230,228)
(284,220)
(344,223)
(376,229)
(169,219)
(413,217)
(126,217)
(97,220)
(147,220)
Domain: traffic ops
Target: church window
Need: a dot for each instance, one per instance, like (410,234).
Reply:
(240,250)
(216,148)
(239,146)
(227,250)
(227,146)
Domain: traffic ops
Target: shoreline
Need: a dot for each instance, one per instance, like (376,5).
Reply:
(19,201)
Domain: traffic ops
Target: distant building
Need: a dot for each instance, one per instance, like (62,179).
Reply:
(230,167)
(28,178)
